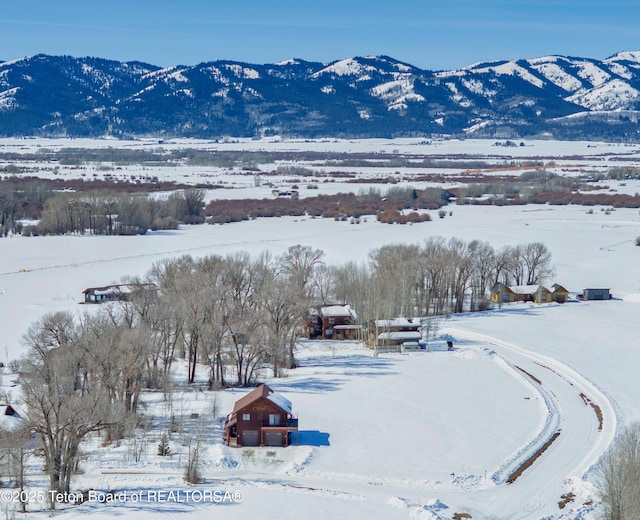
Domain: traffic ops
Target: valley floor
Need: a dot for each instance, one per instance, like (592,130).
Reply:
(416,436)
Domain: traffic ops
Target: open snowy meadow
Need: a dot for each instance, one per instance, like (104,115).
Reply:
(422,435)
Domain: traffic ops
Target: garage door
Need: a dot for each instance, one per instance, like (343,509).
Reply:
(273,438)
(249,438)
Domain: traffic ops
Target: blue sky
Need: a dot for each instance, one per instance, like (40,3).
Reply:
(431,34)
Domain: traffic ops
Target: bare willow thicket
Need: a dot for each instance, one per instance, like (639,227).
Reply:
(113,213)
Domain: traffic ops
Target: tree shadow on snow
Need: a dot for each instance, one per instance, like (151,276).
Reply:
(308,385)
(368,362)
(528,308)
(342,366)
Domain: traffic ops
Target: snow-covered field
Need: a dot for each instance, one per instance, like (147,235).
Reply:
(565,158)
(423,435)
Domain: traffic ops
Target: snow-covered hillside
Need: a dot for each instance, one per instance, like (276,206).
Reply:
(363,95)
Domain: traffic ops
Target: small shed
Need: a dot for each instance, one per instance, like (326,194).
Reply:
(261,418)
(596,294)
(559,294)
(409,346)
(436,345)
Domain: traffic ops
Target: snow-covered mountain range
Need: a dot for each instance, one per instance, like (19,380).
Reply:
(374,96)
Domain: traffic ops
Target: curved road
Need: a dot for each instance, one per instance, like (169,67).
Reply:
(584,434)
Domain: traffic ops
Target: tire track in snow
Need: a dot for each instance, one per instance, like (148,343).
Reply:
(585,434)
(550,427)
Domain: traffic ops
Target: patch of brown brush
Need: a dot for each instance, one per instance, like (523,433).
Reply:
(529,462)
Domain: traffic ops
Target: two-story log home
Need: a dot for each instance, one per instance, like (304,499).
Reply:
(261,418)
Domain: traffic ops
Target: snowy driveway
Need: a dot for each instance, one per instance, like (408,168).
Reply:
(584,433)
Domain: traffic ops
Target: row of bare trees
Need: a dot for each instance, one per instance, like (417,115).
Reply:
(243,312)
(224,311)
(436,277)
(85,373)
(19,199)
(113,213)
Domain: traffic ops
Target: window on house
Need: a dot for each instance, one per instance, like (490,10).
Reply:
(246,416)
(332,321)
(274,419)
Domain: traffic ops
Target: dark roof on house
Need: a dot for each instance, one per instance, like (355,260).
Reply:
(7,409)
(10,419)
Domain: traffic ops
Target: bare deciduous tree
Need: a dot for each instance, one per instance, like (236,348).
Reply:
(64,404)
(461,272)
(618,476)
(15,446)
(195,300)
(537,260)
(434,266)
(242,318)
(484,261)
(323,283)
(395,267)
(194,440)
(298,263)
(282,311)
